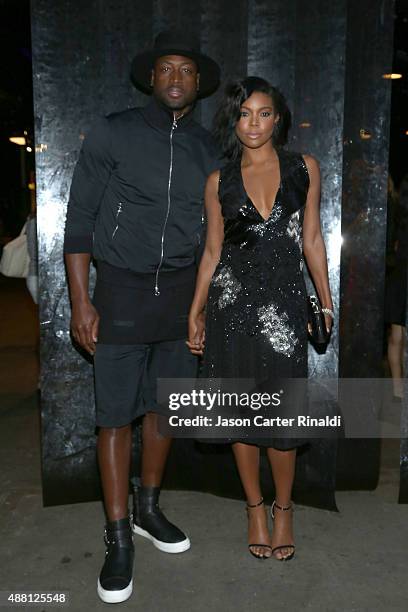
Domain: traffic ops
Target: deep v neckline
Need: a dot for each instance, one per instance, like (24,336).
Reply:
(276,195)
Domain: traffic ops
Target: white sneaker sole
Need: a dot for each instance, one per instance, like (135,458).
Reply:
(115,596)
(168,547)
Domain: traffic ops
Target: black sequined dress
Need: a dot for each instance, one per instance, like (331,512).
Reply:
(256,322)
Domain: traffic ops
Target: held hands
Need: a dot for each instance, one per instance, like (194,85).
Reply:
(84,325)
(196,333)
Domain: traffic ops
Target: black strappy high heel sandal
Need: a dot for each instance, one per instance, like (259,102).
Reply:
(263,545)
(291,555)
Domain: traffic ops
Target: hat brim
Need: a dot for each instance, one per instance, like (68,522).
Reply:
(142,64)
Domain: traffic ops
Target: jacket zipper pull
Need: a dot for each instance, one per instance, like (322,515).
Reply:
(117,215)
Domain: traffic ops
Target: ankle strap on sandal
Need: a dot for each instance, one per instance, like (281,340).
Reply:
(256,505)
(275,505)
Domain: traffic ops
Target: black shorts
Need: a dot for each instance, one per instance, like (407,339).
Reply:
(131,313)
(126,375)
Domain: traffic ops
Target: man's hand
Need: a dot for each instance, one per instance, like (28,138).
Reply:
(84,318)
(84,325)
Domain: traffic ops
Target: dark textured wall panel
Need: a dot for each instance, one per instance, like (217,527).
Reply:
(365,171)
(318,130)
(81,70)
(403,492)
(272,44)
(180,14)
(224,36)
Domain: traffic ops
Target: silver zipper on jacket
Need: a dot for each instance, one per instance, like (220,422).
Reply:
(173,127)
(117,219)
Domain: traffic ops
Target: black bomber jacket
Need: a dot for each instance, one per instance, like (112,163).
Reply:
(137,193)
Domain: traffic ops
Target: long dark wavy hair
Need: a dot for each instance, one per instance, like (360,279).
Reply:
(228,114)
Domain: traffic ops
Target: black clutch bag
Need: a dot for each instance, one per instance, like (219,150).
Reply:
(318,333)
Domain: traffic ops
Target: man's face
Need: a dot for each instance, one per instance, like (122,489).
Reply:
(175,81)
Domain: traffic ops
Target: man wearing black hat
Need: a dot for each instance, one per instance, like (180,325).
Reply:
(136,207)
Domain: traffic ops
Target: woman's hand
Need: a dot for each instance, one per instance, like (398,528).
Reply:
(196,333)
(328,321)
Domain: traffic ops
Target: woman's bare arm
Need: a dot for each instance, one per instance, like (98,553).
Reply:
(313,244)
(209,261)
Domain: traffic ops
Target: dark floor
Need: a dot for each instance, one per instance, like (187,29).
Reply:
(353,560)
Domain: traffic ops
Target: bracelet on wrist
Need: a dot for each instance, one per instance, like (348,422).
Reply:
(328,311)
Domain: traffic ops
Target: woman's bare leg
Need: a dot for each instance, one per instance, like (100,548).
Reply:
(283,470)
(395,356)
(247,459)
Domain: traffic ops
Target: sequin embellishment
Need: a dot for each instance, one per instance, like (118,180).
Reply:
(230,285)
(276,329)
(256,307)
(294,229)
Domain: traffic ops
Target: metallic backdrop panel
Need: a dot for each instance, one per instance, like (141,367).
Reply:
(365,171)
(403,492)
(318,130)
(81,71)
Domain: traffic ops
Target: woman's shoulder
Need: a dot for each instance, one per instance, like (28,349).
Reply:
(297,155)
(310,161)
(225,167)
(229,170)
(304,163)
(214,176)
(227,180)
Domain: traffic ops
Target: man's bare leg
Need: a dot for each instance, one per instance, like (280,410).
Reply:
(115,583)
(148,519)
(155,450)
(114,452)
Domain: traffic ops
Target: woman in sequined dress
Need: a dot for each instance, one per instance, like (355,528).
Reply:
(248,318)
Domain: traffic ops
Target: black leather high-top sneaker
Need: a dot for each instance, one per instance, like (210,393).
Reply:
(150,522)
(115,582)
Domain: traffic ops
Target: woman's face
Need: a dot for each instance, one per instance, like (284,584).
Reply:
(257,121)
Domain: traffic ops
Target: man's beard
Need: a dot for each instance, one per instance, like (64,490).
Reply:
(176,105)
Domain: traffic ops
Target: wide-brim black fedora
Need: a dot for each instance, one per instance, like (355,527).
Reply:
(175,42)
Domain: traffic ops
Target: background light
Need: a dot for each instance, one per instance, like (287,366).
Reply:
(365,134)
(392,75)
(18,140)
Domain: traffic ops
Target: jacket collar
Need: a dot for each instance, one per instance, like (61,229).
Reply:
(160,117)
